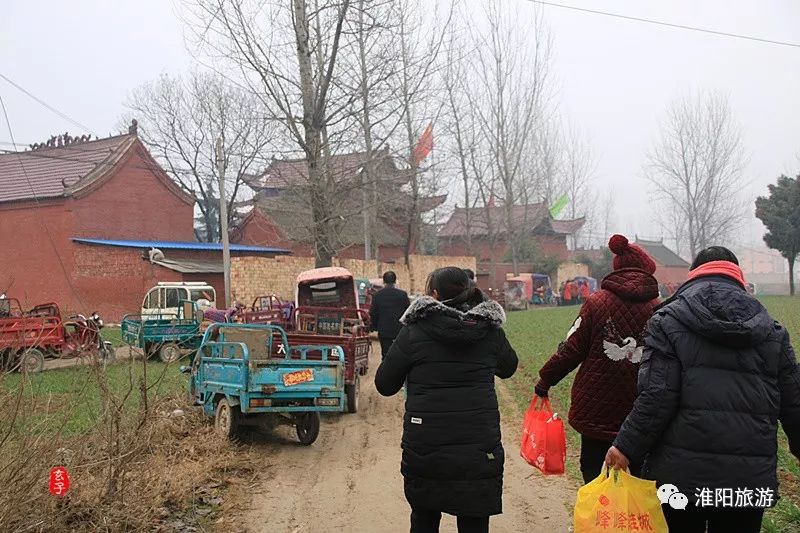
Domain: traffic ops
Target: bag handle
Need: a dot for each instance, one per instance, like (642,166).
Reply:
(541,404)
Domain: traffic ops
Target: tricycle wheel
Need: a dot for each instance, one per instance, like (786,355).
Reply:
(227,419)
(353,392)
(169,352)
(32,361)
(307,427)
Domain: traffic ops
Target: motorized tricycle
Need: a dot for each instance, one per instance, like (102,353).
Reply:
(328,312)
(168,335)
(268,309)
(245,372)
(27,338)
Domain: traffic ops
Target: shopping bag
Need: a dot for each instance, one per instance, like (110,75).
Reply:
(544,444)
(617,501)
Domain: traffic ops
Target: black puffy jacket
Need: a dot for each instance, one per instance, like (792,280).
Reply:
(452,455)
(387,306)
(717,375)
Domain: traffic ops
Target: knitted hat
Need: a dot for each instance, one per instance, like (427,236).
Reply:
(628,255)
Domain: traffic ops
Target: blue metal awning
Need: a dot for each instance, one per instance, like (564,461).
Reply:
(178,245)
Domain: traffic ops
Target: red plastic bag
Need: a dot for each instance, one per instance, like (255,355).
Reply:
(544,444)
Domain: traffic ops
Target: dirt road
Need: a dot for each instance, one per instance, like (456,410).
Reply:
(349,480)
(50,364)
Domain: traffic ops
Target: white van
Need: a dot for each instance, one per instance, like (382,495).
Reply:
(164,298)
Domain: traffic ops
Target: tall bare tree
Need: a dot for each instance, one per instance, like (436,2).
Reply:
(512,76)
(421,36)
(696,168)
(579,166)
(288,54)
(180,120)
(461,128)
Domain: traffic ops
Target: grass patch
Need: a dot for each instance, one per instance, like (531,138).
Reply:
(535,334)
(113,335)
(69,397)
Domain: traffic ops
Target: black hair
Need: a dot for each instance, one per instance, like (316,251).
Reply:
(454,287)
(714,253)
(470,274)
(389,277)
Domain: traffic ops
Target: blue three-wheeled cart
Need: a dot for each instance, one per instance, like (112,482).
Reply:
(238,375)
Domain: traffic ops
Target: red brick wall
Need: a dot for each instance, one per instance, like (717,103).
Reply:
(113,280)
(30,269)
(259,230)
(133,204)
(675,275)
(551,245)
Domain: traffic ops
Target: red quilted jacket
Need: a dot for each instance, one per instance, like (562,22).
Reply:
(606,341)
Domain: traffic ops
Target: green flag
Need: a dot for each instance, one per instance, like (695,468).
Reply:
(559,206)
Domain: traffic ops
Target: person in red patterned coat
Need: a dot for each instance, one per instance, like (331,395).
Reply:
(606,342)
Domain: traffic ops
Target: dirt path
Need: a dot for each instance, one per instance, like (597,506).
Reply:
(122,353)
(350,481)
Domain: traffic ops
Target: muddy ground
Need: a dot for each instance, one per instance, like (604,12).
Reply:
(349,479)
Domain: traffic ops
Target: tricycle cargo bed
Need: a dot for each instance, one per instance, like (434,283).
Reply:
(277,383)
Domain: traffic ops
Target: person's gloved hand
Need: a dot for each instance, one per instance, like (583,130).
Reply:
(540,390)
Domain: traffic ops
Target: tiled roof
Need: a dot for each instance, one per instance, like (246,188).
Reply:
(482,217)
(294,221)
(662,255)
(285,173)
(567,227)
(54,172)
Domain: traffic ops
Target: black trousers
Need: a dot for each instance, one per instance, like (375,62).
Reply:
(717,520)
(593,456)
(426,521)
(386,343)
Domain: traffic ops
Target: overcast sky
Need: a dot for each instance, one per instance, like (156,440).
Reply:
(616,77)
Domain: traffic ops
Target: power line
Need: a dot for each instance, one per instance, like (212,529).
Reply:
(667,24)
(45,104)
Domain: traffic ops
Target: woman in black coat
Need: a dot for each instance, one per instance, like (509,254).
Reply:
(449,351)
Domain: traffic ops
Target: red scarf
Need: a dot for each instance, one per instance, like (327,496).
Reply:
(719,268)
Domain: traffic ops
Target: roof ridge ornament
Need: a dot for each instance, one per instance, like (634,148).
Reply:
(60,141)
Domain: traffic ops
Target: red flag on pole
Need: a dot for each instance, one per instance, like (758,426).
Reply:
(424,145)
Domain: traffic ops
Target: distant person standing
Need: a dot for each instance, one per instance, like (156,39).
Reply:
(387,306)
(585,291)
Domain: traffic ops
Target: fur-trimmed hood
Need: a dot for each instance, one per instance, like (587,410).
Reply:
(488,311)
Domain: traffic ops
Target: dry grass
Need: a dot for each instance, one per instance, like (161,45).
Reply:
(139,467)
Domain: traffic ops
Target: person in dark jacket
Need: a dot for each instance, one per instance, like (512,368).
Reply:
(717,375)
(606,341)
(387,306)
(452,454)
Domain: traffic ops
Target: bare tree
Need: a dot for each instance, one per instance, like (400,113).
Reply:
(461,127)
(513,71)
(696,169)
(578,169)
(421,36)
(180,121)
(288,55)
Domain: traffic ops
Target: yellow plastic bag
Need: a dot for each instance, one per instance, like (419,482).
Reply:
(617,501)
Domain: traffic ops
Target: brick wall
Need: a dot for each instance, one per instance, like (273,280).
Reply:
(254,276)
(570,270)
(134,203)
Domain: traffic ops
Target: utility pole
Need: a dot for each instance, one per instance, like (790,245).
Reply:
(223,222)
